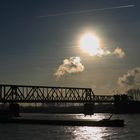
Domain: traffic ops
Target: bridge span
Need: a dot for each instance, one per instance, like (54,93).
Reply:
(42,94)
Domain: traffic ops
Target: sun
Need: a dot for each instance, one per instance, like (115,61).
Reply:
(89,43)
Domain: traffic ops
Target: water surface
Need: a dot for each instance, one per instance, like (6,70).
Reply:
(131,131)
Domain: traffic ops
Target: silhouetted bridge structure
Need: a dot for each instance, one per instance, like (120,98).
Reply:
(45,94)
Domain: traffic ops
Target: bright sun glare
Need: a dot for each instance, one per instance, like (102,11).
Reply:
(90,44)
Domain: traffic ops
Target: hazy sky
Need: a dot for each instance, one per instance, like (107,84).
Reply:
(36,36)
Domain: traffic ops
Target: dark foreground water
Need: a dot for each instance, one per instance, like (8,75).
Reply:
(131,131)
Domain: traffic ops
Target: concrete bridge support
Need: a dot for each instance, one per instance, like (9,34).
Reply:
(89,109)
(14,109)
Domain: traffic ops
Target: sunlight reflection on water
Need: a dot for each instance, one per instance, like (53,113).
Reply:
(89,133)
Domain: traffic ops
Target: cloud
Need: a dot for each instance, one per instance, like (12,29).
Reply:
(100,52)
(131,79)
(119,52)
(71,65)
(104,52)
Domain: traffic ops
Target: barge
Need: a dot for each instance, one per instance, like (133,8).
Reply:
(66,122)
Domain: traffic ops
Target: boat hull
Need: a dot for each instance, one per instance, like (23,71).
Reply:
(77,122)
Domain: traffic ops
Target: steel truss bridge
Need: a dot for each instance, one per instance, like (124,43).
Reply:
(45,94)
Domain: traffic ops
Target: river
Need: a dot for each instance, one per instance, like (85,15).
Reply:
(131,131)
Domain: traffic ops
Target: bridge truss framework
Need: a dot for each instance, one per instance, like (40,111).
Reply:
(42,94)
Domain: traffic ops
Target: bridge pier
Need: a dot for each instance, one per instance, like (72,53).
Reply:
(88,108)
(14,109)
(121,104)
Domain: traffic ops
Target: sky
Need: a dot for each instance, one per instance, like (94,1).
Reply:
(39,43)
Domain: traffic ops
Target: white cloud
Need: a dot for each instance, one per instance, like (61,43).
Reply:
(119,52)
(104,52)
(71,65)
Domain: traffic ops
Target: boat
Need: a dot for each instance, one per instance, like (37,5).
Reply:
(68,122)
